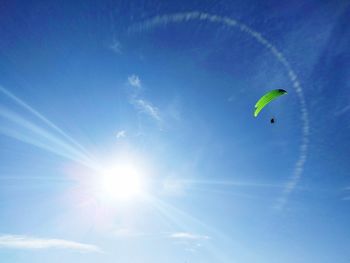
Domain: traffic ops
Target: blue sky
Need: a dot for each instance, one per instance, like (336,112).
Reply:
(127,131)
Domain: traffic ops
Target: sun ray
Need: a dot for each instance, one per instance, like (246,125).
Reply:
(19,127)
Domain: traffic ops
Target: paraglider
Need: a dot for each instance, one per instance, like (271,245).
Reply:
(266,99)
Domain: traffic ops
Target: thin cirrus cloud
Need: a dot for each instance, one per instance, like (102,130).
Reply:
(342,111)
(142,105)
(191,241)
(121,134)
(33,243)
(134,81)
(188,236)
(347,194)
(147,107)
(116,47)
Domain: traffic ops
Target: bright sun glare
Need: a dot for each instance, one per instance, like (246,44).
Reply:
(118,178)
(121,182)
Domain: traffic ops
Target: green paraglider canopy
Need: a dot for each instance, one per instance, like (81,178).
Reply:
(267,98)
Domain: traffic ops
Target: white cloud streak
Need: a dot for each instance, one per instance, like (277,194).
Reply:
(147,108)
(134,81)
(184,17)
(188,236)
(121,134)
(116,47)
(191,241)
(139,102)
(347,192)
(342,111)
(32,243)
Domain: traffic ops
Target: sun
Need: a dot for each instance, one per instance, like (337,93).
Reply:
(122,182)
(120,178)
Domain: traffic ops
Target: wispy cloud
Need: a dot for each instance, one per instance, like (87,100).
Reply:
(188,236)
(121,134)
(136,99)
(342,111)
(147,108)
(134,81)
(32,243)
(346,190)
(191,241)
(116,47)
